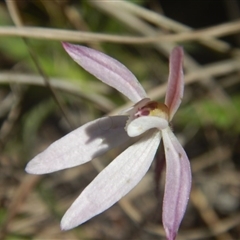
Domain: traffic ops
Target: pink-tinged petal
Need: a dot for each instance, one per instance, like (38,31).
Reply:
(81,145)
(178,183)
(114,182)
(175,87)
(144,123)
(137,105)
(108,70)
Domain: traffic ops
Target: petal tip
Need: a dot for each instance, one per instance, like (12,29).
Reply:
(170,234)
(67,223)
(178,49)
(66,45)
(31,168)
(64,226)
(37,166)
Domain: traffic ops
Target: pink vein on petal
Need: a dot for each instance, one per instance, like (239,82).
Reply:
(108,70)
(175,87)
(178,183)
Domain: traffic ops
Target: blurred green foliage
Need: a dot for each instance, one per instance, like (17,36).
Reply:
(207,111)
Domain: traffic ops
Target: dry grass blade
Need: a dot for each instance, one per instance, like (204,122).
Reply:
(64,85)
(221,30)
(163,22)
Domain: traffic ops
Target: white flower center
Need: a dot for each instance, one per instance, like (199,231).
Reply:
(145,115)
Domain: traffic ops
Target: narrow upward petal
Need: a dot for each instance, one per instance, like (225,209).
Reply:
(144,123)
(175,87)
(81,145)
(178,183)
(108,70)
(115,181)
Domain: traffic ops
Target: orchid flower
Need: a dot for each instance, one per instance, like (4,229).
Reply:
(148,120)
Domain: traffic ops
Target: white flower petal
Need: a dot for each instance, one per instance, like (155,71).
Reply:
(115,181)
(108,70)
(81,145)
(144,123)
(178,183)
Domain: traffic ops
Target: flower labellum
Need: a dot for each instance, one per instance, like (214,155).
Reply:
(149,120)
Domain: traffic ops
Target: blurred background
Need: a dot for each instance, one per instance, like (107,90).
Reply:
(44,95)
